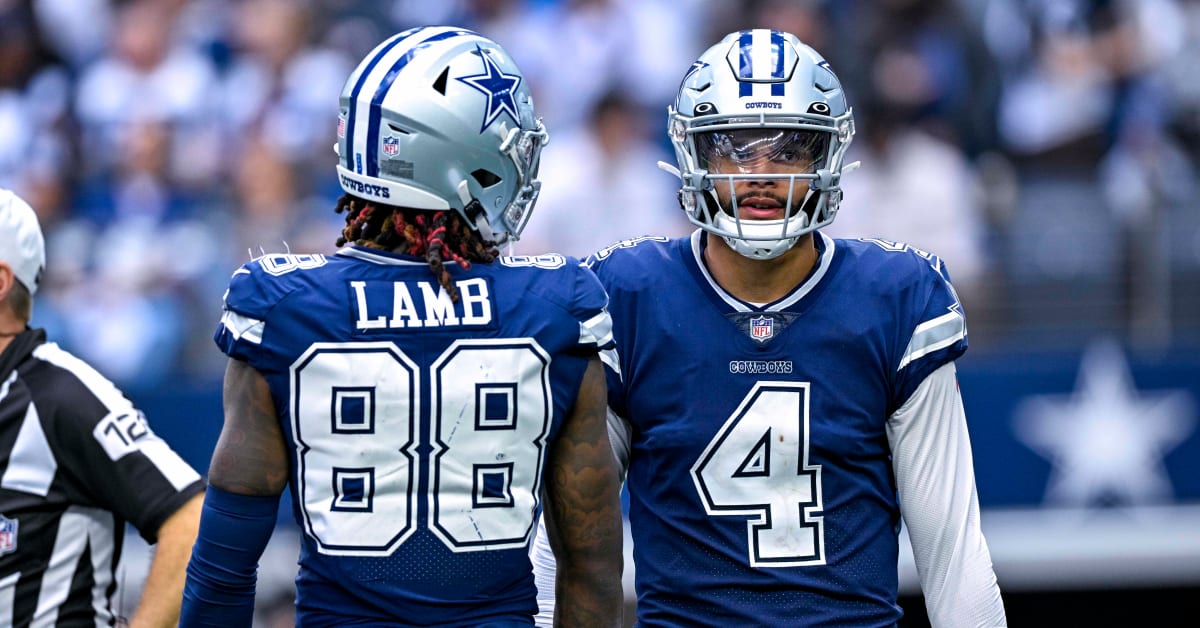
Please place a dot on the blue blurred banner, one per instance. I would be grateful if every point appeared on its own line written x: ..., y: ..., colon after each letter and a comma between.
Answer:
x: 1098, y: 430
x: 1088, y: 466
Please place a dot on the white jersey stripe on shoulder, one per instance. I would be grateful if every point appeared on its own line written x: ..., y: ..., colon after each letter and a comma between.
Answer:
x: 930, y: 336
x: 251, y: 329
x: 97, y: 384
x: 179, y: 473
x: 31, y: 463
x: 168, y: 462
x: 596, y: 330
x: 612, y: 360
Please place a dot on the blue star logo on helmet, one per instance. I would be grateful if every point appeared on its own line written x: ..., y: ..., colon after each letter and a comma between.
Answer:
x: 500, y: 89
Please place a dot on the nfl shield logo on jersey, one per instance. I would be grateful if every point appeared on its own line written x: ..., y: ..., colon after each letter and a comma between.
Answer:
x: 762, y: 328
x: 8, y: 535
x: 391, y: 146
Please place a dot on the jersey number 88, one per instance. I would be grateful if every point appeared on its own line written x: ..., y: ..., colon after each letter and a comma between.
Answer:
x: 356, y: 411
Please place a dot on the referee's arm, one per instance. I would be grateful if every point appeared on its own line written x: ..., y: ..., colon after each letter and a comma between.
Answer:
x: 163, y: 589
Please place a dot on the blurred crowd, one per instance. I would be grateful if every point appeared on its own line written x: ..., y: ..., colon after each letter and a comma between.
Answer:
x: 1047, y: 150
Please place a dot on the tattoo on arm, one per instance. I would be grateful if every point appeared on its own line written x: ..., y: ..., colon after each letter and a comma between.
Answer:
x: 250, y: 457
x: 584, y: 512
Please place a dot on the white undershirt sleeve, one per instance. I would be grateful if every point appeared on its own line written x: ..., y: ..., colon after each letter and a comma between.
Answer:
x: 544, y: 568
x: 542, y: 555
x: 935, y: 476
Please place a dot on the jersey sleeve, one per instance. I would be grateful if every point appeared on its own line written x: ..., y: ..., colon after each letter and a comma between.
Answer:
x: 936, y: 328
x: 118, y: 461
x: 590, y: 307
x: 609, y: 271
x: 252, y: 294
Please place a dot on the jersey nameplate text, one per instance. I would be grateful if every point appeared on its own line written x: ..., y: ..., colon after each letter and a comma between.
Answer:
x: 419, y: 304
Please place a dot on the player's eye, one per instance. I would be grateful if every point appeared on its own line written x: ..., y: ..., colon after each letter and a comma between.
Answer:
x: 790, y: 156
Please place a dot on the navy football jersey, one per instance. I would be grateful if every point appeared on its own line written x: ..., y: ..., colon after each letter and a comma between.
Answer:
x: 418, y: 427
x: 760, y: 480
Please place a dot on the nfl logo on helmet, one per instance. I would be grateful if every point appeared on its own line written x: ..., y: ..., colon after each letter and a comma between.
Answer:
x: 8, y: 535
x: 391, y: 146
x: 762, y: 328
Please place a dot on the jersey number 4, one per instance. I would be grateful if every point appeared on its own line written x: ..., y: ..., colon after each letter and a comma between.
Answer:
x: 355, y: 422
x: 757, y: 466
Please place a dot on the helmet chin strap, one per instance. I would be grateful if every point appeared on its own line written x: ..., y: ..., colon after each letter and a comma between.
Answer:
x: 760, y: 250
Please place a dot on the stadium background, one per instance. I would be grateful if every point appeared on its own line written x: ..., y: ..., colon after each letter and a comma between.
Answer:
x: 1046, y: 149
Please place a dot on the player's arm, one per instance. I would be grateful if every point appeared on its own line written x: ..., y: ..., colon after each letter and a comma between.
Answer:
x: 249, y: 470
x: 542, y: 556
x: 159, y: 605
x: 583, y: 512
x: 935, y: 476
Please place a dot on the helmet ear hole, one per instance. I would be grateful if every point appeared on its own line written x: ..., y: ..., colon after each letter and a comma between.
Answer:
x: 440, y: 84
x: 486, y: 178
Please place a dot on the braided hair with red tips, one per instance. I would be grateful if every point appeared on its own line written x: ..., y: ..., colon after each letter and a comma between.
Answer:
x: 436, y: 235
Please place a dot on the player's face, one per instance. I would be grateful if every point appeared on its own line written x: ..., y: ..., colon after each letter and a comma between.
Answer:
x: 775, y: 152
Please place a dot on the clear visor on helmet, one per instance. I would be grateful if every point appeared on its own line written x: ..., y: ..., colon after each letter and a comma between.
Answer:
x: 742, y: 149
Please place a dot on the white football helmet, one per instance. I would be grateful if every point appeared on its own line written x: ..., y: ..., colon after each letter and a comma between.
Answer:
x: 441, y: 118
x: 760, y: 95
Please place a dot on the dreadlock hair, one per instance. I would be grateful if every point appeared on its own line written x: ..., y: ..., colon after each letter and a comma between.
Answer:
x: 433, y: 234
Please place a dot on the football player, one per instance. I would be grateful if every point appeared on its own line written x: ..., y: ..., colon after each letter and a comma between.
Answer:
x: 783, y: 400
x: 417, y: 392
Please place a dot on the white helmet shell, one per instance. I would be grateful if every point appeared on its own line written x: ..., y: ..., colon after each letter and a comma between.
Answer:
x: 768, y: 80
x: 441, y: 118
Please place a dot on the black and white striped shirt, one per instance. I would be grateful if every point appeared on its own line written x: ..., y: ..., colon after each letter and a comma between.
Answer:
x: 77, y: 461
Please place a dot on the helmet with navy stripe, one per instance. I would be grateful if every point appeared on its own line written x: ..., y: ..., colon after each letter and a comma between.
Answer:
x: 440, y: 118
x: 761, y: 96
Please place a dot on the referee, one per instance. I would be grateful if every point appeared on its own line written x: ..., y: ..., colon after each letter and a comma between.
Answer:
x: 77, y: 461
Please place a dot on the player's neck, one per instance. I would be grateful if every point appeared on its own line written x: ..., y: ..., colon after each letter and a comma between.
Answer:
x: 10, y: 326
x: 8, y: 333
x: 759, y: 281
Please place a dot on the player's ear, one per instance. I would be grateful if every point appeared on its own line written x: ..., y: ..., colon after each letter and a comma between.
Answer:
x: 7, y: 280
